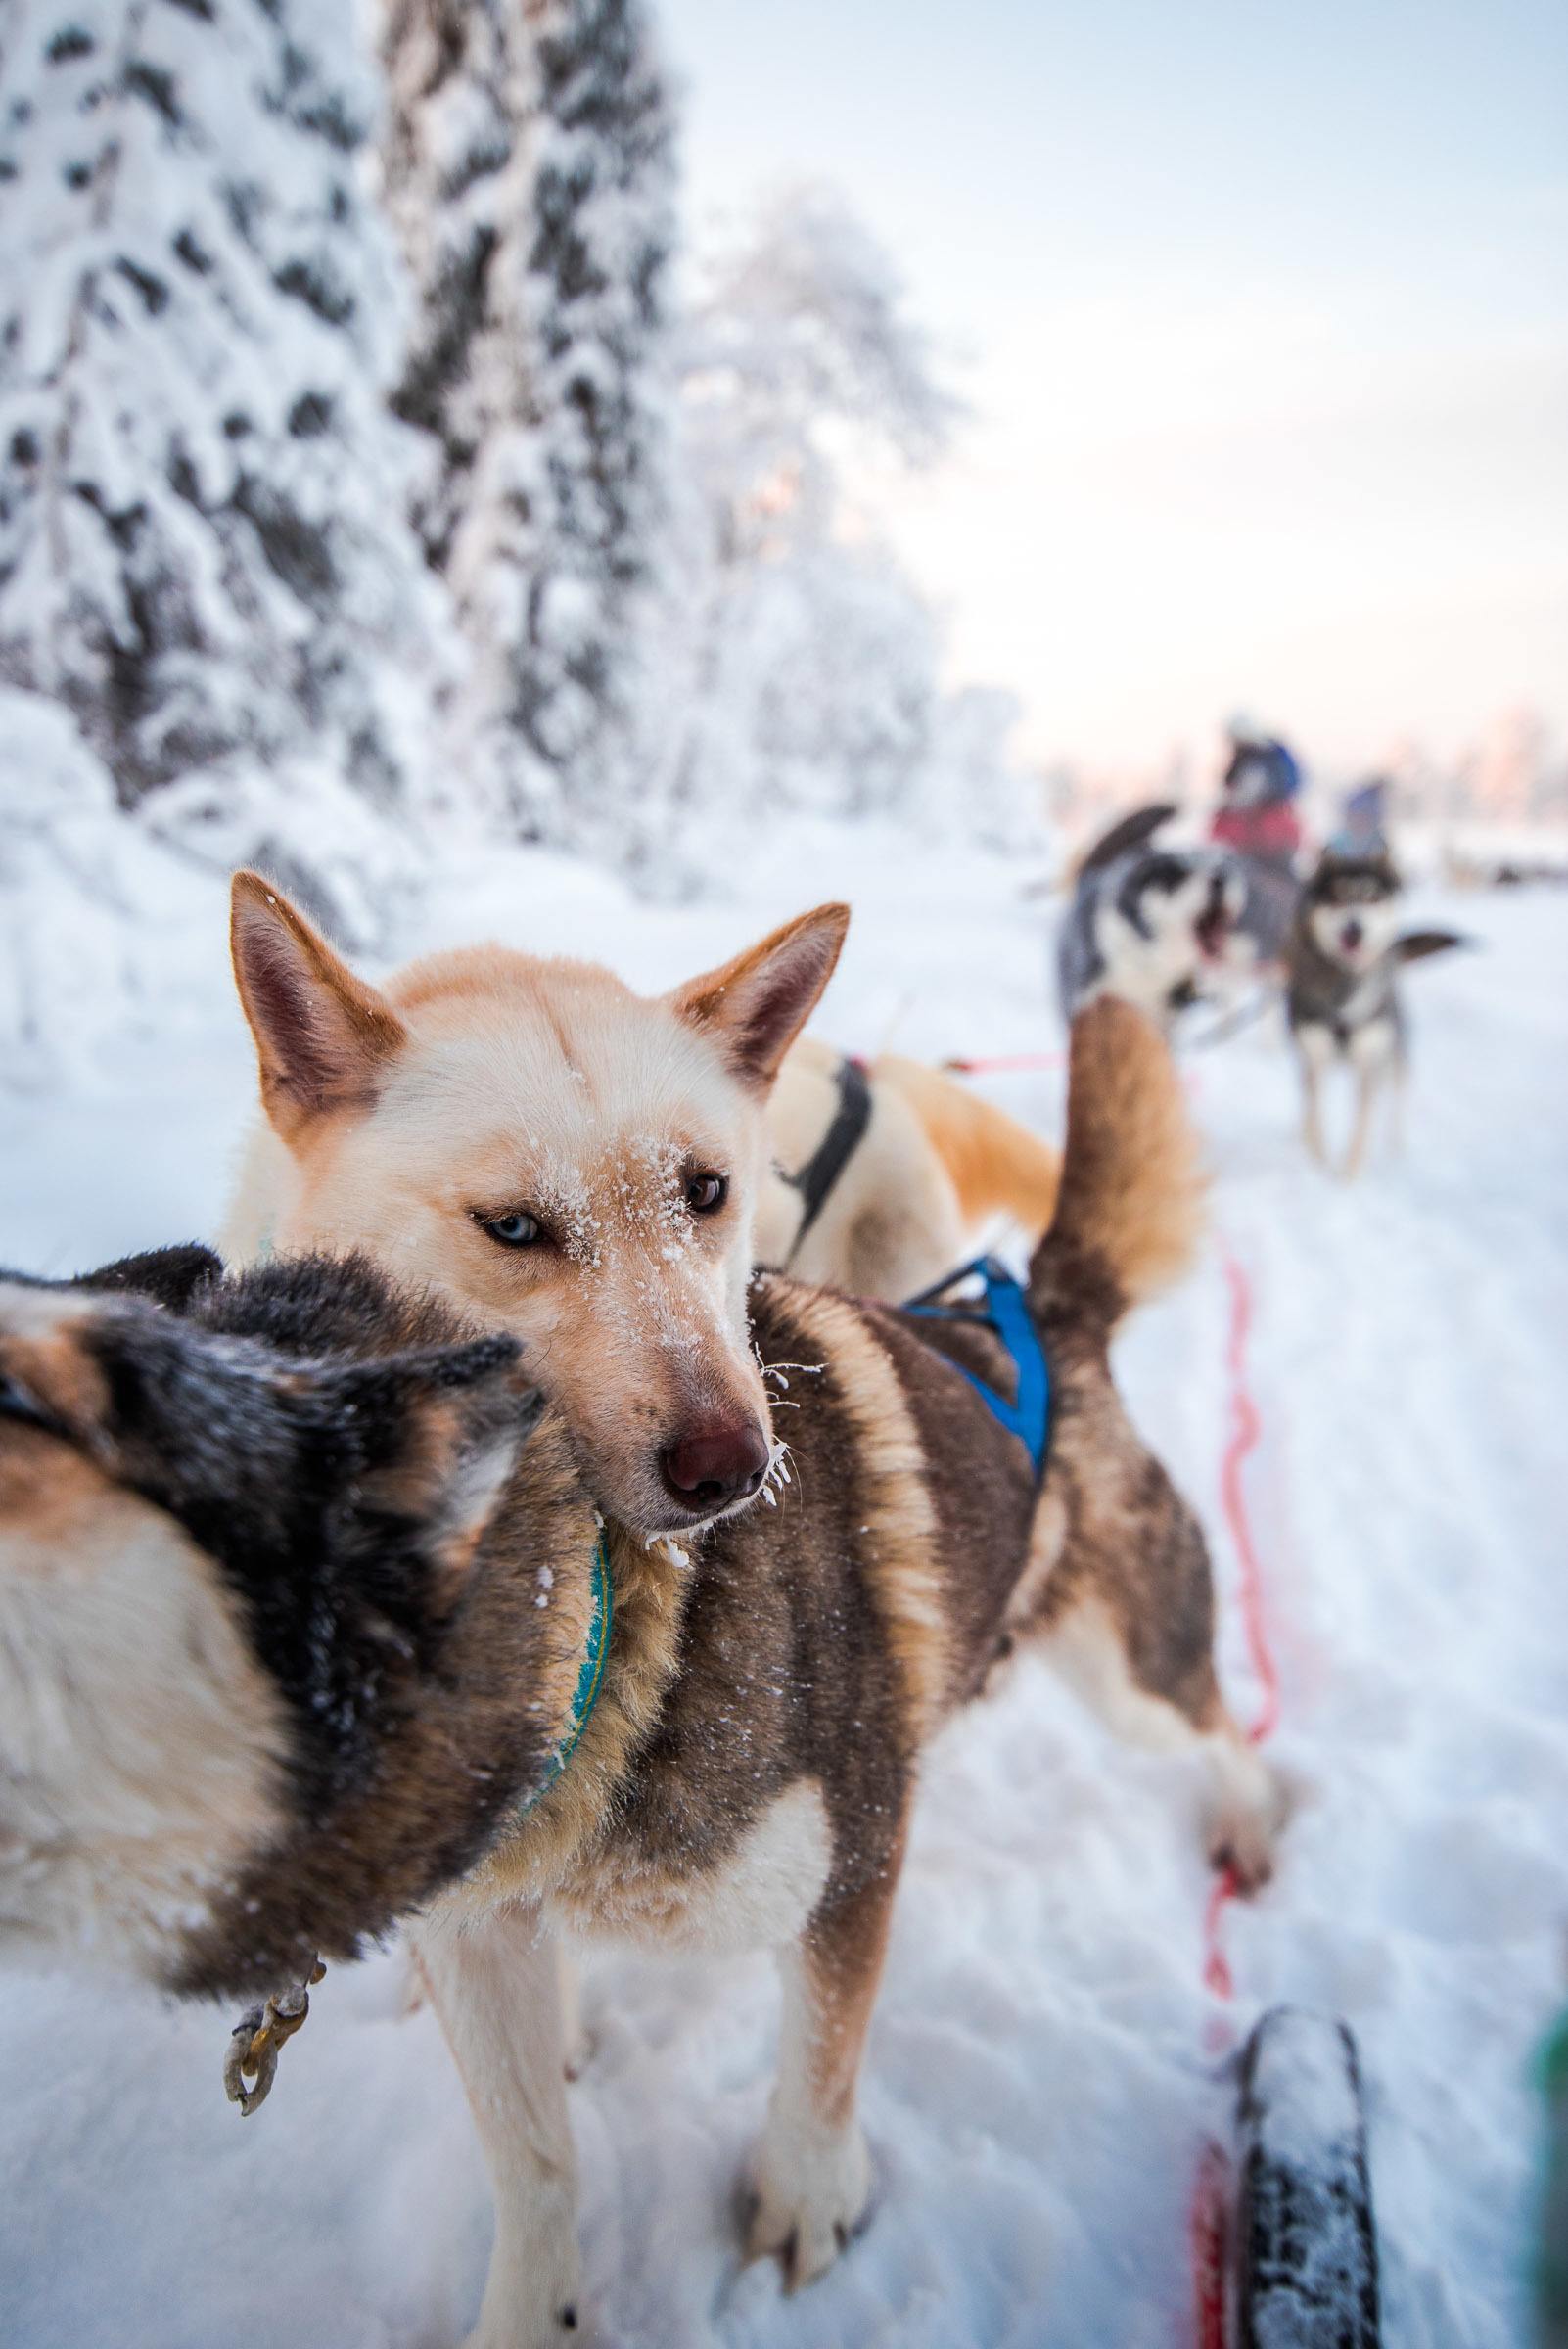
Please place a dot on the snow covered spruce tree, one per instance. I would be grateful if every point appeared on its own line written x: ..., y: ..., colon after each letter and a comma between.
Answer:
x: 204, y: 548
x: 461, y: 85
x: 529, y: 170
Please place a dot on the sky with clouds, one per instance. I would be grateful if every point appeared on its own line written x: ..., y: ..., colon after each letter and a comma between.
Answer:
x: 1263, y: 319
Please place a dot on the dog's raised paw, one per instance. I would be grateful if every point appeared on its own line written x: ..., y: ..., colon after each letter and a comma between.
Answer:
x: 580, y: 2054
x: 556, y: 2331
x: 1251, y: 1806
x: 1245, y: 1853
x: 808, y: 2201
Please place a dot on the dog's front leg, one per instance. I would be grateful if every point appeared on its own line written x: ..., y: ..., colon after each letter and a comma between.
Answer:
x: 494, y: 1982
x: 1310, y: 1051
x: 1397, y: 1090
x: 577, y: 2040
x: 813, y: 2174
x: 1373, y: 1053
x: 1366, y: 1089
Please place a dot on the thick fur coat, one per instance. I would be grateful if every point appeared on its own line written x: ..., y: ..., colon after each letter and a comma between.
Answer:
x: 379, y: 1560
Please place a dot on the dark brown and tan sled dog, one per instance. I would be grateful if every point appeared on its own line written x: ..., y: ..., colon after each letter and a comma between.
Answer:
x: 298, y: 1585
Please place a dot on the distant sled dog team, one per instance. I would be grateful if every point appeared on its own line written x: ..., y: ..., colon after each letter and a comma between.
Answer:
x: 426, y: 1571
x: 1168, y: 928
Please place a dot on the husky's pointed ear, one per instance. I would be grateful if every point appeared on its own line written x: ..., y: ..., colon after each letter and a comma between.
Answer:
x: 755, y: 1006
x: 322, y: 1036
x: 444, y: 1426
x: 47, y: 1378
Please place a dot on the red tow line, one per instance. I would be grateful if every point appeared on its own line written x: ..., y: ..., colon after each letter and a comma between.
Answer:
x: 1000, y: 1061
x: 1212, y: 2194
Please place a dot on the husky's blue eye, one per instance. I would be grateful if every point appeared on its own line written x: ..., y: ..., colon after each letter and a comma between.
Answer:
x: 519, y: 1230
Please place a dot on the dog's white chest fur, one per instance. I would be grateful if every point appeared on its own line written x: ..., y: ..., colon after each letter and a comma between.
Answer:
x: 757, y: 1897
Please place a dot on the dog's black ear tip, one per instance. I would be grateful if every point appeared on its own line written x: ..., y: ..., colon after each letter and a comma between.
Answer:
x: 477, y: 1360
x: 414, y: 1379
x: 1128, y: 832
x: 169, y: 1276
x: 527, y: 1412
x: 486, y: 1364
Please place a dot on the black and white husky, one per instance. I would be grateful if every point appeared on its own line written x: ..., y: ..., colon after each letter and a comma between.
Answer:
x: 1342, y: 997
x: 1153, y: 925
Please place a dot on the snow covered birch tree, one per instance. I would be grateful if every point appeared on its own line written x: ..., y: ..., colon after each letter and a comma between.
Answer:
x: 819, y: 658
x: 204, y: 547
x: 530, y: 170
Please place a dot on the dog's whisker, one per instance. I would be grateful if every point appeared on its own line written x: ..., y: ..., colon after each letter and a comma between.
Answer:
x: 777, y: 1473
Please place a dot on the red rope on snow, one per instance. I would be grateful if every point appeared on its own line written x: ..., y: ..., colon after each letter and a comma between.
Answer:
x: 1210, y: 2211
x: 1217, y: 1974
x: 1210, y: 2204
x: 1246, y: 1426
x: 1208, y: 2214
x: 1005, y: 1060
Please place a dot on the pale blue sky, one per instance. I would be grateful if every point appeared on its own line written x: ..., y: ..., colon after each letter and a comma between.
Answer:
x: 1266, y: 315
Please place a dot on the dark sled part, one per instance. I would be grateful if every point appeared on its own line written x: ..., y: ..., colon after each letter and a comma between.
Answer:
x: 1305, y: 2246
x: 1416, y: 944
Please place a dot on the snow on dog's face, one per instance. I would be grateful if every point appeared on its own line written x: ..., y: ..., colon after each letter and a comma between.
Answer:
x: 1352, y: 908
x: 225, y: 1577
x: 570, y: 1161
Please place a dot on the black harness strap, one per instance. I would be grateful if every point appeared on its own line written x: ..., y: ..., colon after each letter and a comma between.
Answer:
x: 834, y: 1151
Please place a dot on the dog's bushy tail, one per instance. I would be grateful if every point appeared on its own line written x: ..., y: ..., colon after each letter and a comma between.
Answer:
x: 1416, y: 944
x: 1130, y: 1211
x: 996, y: 1166
x: 1128, y: 833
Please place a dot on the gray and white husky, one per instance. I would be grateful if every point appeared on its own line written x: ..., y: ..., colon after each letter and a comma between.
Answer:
x: 1342, y: 997
x: 1153, y: 925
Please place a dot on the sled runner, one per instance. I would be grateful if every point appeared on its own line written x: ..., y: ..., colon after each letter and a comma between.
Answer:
x: 1305, y: 2246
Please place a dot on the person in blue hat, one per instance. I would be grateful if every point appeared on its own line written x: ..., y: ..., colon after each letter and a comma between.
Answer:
x: 1362, y: 821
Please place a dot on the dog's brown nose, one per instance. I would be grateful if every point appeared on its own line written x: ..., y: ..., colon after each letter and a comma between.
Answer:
x: 714, y: 1465
x: 1351, y: 936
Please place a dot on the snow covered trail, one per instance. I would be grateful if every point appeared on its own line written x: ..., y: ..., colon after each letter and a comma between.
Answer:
x: 1037, y: 2087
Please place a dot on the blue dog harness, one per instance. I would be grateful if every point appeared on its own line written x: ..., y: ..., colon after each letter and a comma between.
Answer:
x: 1004, y: 1310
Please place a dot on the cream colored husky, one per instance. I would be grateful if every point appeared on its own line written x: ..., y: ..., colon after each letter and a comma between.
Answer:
x: 934, y: 1175
x: 566, y: 1160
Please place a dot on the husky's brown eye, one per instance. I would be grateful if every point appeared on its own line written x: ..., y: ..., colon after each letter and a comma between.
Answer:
x: 519, y: 1230
x: 705, y: 1194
